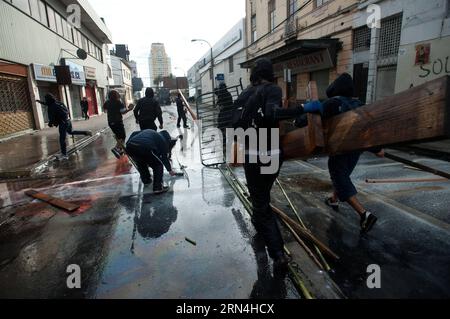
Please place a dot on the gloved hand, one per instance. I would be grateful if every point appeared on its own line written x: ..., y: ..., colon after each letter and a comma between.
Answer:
x: 313, y: 107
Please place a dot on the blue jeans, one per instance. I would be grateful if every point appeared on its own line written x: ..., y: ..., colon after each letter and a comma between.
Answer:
x: 64, y: 129
x: 341, y: 168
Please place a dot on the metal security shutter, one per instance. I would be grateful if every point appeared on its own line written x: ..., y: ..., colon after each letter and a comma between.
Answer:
x: 16, y: 113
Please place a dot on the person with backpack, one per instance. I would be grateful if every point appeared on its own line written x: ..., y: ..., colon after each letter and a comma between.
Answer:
x: 181, y: 112
x: 340, y: 100
x: 116, y: 110
x: 147, y: 111
x: 58, y: 116
x: 262, y: 109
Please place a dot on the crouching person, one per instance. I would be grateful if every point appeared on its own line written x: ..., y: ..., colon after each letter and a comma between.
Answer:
x: 151, y: 149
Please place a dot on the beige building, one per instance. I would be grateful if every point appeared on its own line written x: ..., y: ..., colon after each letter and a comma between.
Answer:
x: 159, y: 63
x: 306, y: 40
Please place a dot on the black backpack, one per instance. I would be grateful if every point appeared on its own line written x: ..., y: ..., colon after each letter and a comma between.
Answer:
x: 248, y: 108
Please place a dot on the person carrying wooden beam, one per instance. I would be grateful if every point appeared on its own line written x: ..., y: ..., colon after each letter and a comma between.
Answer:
x: 341, y: 167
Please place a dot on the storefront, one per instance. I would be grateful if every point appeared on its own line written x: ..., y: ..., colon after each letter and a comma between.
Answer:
x: 91, y: 90
x: 78, y: 82
x: 302, y: 61
x: 46, y: 83
x: 16, y: 112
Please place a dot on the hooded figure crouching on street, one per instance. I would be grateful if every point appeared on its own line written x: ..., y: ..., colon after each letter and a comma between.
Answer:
x: 58, y: 116
x: 341, y: 167
x: 152, y: 149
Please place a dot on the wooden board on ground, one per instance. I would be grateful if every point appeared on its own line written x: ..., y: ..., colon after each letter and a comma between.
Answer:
x: 53, y: 201
x: 419, y: 114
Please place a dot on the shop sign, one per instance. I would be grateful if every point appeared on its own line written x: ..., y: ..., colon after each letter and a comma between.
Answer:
x: 316, y: 61
x: 90, y: 73
x: 45, y: 73
x: 77, y: 73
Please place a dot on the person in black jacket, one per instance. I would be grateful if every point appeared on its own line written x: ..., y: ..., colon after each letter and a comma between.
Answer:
x: 266, y: 100
x: 341, y: 167
x: 85, y: 108
x: 147, y: 111
x: 116, y: 110
x: 149, y: 148
x: 181, y: 112
x: 58, y: 116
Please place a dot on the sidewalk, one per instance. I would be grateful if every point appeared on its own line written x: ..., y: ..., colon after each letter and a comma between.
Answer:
x: 19, y: 155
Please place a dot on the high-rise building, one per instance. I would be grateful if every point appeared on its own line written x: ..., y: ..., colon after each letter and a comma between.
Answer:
x: 159, y: 63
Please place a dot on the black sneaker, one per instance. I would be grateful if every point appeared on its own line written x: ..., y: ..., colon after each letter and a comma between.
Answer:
x: 281, y: 262
x: 367, y: 222
x: 163, y: 190
x: 334, y: 205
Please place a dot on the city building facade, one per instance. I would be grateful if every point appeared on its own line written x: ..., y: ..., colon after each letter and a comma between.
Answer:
x: 36, y: 36
x: 160, y: 64
x: 122, y: 78
x: 228, y: 53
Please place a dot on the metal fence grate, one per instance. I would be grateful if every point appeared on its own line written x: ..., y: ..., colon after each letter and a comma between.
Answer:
x: 16, y: 113
x: 391, y: 30
x: 361, y: 39
x: 213, y: 114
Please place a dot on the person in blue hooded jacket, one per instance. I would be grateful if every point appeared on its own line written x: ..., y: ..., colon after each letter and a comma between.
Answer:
x: 152, y: 149
x: 340, y: 99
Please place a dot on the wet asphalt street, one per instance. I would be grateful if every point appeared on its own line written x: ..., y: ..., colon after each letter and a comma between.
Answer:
x: 128, y: 242
x: 132, y: 244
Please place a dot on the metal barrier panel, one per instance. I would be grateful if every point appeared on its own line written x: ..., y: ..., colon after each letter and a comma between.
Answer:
x: 215, y: 111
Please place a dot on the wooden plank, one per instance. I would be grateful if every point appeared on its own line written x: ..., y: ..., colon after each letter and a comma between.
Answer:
x: 306, y: 141
x: 53, y: 201
x: 419, y: 114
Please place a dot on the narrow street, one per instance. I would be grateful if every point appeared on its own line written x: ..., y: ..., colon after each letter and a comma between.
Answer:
x: 132, y: 244
x: 128, y: 242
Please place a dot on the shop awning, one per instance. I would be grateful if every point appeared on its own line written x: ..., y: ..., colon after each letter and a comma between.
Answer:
x: 299, y: 48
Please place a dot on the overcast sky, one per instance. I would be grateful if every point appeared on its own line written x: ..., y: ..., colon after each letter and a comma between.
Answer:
x: 139, y: 23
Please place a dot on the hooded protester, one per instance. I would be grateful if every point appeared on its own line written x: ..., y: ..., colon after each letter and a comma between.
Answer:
x: 181, y: 112
x: 149, y: 148
x: 147, y: 111
x: 263, y: 110
x: 115, y: 110
x: 58, y: 116
x: 225, y: 103
x: 341, y: 167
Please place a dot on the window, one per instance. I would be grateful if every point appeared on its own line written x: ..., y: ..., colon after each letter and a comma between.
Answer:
x: 43, y: 13
x: 51, y: 18
x: 231, y: 64
x: 448, y: 8
x: 321, y: 2
x: 361, y: 39
x: 253, y: 28
x: 59, y: 27
x: 22, y: 5
x: 70, y: 36
x: 390, y: 34
x: 271, y: 15
x: 292, y: 7
x: 34, y: 8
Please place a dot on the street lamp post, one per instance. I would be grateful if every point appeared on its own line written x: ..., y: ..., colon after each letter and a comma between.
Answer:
x: 212, y: 68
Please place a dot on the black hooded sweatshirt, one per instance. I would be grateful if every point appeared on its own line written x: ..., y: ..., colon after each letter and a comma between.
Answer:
x: 148, y: 109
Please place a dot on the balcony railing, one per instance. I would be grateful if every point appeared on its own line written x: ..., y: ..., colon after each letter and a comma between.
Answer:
x: 291, y: 30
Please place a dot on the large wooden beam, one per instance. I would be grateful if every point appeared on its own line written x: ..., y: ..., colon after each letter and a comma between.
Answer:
x: 419, y: 114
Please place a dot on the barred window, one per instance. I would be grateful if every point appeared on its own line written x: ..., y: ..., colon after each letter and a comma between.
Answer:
x: 391, y: 30
x: 361, y: 39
